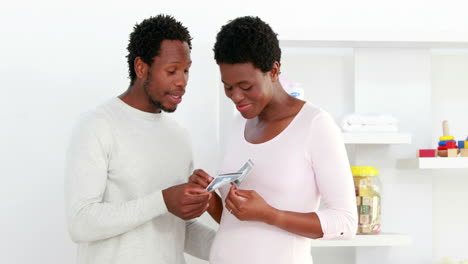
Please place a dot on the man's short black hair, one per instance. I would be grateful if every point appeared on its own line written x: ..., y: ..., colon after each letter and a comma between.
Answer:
x: 145, y: 40
x: 247, y: 39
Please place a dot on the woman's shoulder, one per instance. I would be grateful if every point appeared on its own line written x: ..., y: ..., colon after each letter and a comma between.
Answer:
x: 313, y: 112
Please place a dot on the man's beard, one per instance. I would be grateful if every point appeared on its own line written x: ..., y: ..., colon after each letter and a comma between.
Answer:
x: 156, y: 103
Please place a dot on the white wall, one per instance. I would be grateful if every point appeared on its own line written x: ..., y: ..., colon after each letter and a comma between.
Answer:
x: 60, y: 58
x: 450, y: 98
x: 322, y: 72
x: 397, y: 82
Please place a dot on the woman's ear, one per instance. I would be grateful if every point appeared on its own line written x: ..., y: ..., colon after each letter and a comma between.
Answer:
x: 141, y: 68
x: 275, y: 72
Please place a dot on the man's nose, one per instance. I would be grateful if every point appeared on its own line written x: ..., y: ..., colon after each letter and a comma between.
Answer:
x: 181, y: 80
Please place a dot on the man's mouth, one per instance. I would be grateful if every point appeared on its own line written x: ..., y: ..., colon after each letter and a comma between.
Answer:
x: 175, y: 99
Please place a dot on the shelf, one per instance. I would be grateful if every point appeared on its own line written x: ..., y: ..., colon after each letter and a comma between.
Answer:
x: 376, y: 138
x: 381, y: 240
x: 372, y: 44
x: 434, y: 163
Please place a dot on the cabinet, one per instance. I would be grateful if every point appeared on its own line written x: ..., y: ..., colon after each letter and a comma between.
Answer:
x: 421, y: 83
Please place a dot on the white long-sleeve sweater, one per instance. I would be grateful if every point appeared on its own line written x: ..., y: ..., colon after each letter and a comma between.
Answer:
x: 119, y: 161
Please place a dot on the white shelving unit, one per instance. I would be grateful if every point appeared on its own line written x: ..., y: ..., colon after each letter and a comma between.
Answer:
x: 367, y: 84
x: 380, y: 240
x: 384, y: 239
x: 376, y: 138
x: 434, y: 163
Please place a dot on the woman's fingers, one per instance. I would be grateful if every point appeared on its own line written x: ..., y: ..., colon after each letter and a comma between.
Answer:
x: 244, y: 193
x: 231, y: 207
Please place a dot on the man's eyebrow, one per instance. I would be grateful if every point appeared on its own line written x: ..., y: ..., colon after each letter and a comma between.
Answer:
x: 190, y: 62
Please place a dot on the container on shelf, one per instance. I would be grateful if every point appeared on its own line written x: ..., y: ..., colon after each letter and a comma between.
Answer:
x: 368, y: 198
x: 294, y: 89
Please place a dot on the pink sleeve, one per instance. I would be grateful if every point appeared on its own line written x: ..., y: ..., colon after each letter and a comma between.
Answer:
x: 338, y: 215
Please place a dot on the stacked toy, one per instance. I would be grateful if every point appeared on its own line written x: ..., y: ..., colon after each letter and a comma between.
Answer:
x: 447, y: 144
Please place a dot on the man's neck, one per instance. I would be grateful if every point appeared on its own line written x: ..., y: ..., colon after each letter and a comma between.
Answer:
x: 136, y: 97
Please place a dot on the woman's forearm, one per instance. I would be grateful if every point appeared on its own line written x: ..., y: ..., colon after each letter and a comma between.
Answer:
x: 304, y: 224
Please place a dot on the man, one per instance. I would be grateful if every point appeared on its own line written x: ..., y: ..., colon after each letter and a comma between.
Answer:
x: 128, y: 161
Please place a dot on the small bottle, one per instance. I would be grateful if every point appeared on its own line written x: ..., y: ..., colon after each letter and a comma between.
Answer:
x: 368, y: 196
x: 295, y: 90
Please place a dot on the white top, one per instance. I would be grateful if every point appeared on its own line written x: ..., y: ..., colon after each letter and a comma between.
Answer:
x: 293, y: 171
x: 119, y: 160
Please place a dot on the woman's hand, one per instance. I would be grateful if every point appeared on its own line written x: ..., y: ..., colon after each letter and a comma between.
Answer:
x: 248, y: 206
x: 201, y: 178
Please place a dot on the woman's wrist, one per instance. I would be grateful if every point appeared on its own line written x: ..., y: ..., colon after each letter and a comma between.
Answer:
x: 273, y: 216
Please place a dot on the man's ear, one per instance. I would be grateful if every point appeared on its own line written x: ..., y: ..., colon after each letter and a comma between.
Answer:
x: 275, y: 72
x: 141, y: 68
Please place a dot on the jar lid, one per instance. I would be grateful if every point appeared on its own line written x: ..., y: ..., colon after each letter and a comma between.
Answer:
x: 364, y: 171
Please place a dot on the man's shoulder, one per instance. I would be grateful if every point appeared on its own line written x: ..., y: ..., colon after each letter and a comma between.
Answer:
x: 97, y: 118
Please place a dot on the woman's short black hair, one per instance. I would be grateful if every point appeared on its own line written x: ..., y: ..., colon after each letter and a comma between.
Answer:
x: 145, y: 40
x: 247, y: 39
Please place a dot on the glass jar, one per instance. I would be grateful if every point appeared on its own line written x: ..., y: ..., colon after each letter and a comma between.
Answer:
x: 368, y: 196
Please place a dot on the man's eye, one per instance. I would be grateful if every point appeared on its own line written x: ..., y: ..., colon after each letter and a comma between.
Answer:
x: 246, y: 88
x: 228, y: 88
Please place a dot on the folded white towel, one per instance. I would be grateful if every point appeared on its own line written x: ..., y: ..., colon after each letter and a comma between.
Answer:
x: 370, y: 119
x: 370, y: 123
x: 370, y: 129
